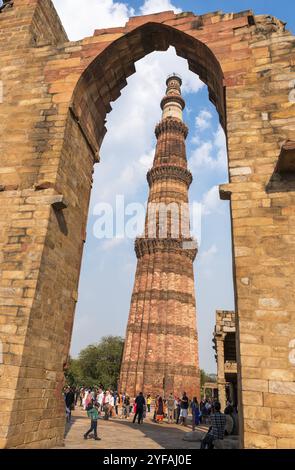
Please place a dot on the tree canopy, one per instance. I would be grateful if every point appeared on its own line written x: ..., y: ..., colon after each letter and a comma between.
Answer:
x: 97, y: 364
x: 205, y: 377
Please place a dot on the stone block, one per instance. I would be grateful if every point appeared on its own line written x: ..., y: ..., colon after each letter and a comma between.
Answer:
x: 253, y: 440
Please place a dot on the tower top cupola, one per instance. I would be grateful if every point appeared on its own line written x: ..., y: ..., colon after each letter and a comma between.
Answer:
x: 173, y: 104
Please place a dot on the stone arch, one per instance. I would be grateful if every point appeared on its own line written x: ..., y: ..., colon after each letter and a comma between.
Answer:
x: 49, y: 148
x: 91, y: 100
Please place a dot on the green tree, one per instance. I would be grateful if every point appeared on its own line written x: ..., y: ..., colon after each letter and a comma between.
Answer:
x: 205, y: 377
x: 98, y: 363
x: 73, y: 374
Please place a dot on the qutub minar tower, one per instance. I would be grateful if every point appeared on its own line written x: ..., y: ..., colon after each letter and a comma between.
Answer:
x: 161, y: 348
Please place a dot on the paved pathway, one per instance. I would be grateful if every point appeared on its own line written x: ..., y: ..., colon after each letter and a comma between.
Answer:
x: 122, y: 434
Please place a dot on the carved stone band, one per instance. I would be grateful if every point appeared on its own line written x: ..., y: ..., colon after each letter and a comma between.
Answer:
x: 162, y: 328
x: 161, y: 367
x: 175, y: 98
x: 171, y: 125
x: 187, y: 247
x: 165, y: 295
x: 169, y: 172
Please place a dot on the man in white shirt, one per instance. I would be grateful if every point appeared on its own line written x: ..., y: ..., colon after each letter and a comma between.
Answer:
x: 99, y: 399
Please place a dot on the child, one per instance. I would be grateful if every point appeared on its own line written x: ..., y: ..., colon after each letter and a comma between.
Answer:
x: 148, y: 403
x: 92, y: 413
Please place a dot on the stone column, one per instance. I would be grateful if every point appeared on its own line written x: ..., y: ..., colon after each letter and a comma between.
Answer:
x: 220, y: 372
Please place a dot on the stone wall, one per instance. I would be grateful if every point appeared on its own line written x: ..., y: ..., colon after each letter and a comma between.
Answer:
x: 56, y: 97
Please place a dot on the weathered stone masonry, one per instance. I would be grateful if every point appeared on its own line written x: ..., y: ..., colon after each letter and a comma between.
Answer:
x: 56, y: 95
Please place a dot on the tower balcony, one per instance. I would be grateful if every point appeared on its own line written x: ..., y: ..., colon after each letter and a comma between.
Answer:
x: 185, y: 246
x: 171, y: 124
x: 165, y: 172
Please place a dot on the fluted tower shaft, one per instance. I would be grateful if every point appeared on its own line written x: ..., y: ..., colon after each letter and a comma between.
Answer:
x: 161, y: 347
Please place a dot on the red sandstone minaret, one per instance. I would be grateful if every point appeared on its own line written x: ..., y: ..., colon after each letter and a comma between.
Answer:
x: 161, y: 348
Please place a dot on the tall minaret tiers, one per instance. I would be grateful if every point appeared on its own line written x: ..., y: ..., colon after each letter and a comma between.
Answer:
x: 161, y: 348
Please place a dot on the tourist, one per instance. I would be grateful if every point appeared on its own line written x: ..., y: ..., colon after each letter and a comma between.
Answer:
x: 111, y: 404
x: 69, y: 401
x: 116, y: 402
x: 184, y: 409
x: 92, y: 413
x: 217, y: 428
x: 202, y: 412
x: 159, y: 410
x: 178, y: 409
x: 208, y: 407
x: 235, y: 418
x: 81, y: 394
x: 134, y: 406
x: 165, y: 408
x: 170, y: 408
x: 139, y: 403
x: 148, y: 403
x: 107, y: 404
x: 85, y: 397
x: 155, y: 408
x: 122, y: 401
x: 229, y: 426
x: 126, y: 407
x: 77, y: 395
x: 99, y: 399
x: 195, y: 413
x: 88, y: 398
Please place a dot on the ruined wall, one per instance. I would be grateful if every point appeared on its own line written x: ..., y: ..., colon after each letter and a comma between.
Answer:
x: 225, y: 323
x: 52, y: 118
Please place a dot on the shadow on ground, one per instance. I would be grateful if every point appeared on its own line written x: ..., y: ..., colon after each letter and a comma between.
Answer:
x: 74, y: 421
x: 122, y: 434
x: 163, y: 434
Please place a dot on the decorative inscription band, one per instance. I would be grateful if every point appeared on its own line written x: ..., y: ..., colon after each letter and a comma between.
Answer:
x: 187, y: 247
x: 169, y: 172
x: 171, y: 125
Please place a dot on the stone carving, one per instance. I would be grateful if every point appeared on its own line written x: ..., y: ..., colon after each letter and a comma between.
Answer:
x: 169, y: 172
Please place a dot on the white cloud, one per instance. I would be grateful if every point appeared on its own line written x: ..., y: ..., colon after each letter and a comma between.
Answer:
x: 211, y: 202
x: 108, y: 245
x: 206, y: 259
x: 146, y: 160
x: 210, y: 154
x: 157, y: 6
x: 80, y: 19
x: 208, y: 255
x: 203, y: 120
x: 202, y: 156
x: 128, y: 150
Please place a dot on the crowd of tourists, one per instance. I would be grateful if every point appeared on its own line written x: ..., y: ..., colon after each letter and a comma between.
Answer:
x: 105, y: 404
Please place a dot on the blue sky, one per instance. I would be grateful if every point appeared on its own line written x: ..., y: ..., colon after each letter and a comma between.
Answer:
x: 108, y: 266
